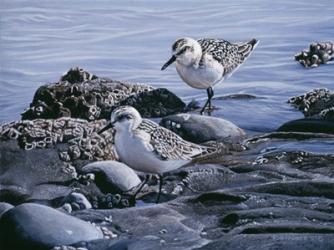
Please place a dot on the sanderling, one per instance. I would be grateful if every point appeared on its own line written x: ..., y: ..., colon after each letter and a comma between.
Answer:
x: 147, y: 147
x: 207, y: 62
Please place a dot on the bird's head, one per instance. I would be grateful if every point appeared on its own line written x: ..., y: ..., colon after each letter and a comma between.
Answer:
x: 185, y: 51
x: 123, y: 118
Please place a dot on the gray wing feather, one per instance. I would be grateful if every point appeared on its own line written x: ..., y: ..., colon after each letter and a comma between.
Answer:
x: 168, y: 145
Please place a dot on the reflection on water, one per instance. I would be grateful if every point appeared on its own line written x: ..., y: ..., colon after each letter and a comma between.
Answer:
x: 130, y: 40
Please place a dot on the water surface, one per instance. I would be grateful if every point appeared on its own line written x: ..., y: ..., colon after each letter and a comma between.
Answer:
x: 130, y: 40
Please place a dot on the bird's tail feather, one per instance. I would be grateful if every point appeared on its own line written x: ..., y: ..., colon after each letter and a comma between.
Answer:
x: 246, y: 48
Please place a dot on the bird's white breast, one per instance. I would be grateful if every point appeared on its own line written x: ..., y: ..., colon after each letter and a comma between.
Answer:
x: 135, y: 151
x: 207, y: 75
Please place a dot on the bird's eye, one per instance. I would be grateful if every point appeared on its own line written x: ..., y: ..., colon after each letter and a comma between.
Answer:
x: 182, y: 50
x: 124, y: 117
x: 121, y: 117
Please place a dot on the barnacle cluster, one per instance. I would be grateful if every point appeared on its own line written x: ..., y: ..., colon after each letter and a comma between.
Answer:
x: 79, y: 94
x: 318, y: 53
x: 81, y: 137
x: 318, y: 102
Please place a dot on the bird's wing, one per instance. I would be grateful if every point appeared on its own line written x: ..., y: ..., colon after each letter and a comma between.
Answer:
x: 168, y: 145
x: 229, y: 55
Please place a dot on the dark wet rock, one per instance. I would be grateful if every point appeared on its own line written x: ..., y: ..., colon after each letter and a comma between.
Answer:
x: 206, y: 177
x: 37, y: 175
x: 80, y: 94
x: 272, y: 241
x: 318, y: 103
x: 296, y: 188
x: 236, y: 97
x: 4, y: 207
x: 155, y: 103
x: 318, y: 108
x: 308, y: 125
x: 77, y: 74
x: 245, y: 216
x: 32, y: 226
x: 199, y: 129
x: 91, y: 99
x: 163, y: 224
x: 318, y: 53
x: 286, y: 135
x: 146, y: 242
x: 21, y: 171
x: 112, y: 176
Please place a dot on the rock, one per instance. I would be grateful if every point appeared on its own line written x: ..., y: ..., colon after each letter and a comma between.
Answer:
x: 257, y: 197
x: 113, y: 176
x: 145, y: 223
x: 318, y: 108
x: 4, y: 207
x: 199, y: 129
x: 79, y: 138
x: 318, y: 103
x: 155, y: 103
x: 318, y: 53
x: 80, y: 94
x: 77, y: 74
x: 146, y: 242
x: 236, y: 97
x: 21, y: 171
x: 308, y: 125
x: 77, y: 201
x: 32, y: 226
x: 272, y: 241
x: 38, y: 175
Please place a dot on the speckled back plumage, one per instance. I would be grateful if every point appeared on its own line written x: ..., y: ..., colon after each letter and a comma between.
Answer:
x: 169, y: 146
x: 231, y: 56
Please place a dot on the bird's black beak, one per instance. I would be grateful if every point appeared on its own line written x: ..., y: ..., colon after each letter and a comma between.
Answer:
x: 108, y: 126
x: 169, y: 62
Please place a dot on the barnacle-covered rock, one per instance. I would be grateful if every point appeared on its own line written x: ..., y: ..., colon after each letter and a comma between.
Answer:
x: 155, y: 103
x: 77, y: 74
x: 318, y: 108
x: 80, y: 94
x: 318, y: 102
x: 318, y: 53
x: 80, y: 137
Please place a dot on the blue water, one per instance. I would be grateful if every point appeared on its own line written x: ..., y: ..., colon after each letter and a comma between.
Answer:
x: 130, y: 40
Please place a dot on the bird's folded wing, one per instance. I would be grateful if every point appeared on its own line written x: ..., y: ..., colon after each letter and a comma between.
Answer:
x: 226, y: 53
x: 168, y: 145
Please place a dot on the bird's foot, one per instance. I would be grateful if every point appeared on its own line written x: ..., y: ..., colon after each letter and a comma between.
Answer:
x: 209, y: 110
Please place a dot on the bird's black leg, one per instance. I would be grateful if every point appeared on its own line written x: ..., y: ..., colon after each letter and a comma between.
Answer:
x: 210, y: 95
x: 208, y: 102
x: 160, y: 186
x: 141, y: 186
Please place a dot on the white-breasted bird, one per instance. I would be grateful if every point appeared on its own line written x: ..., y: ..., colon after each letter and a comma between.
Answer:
x: 206, y: 62
x: 147, y: 147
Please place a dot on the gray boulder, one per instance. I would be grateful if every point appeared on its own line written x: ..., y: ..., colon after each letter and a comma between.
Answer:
x: 4, y: 207
x: 112, y: 176
x: 33, y: 226
x: 199, y: 129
